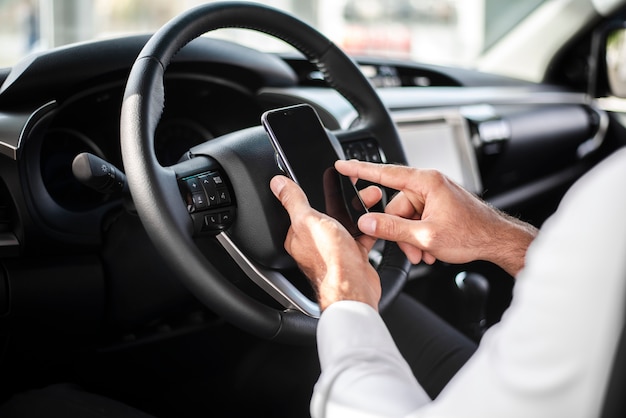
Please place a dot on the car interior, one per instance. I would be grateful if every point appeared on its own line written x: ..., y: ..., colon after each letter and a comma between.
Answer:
x: 142, y: 250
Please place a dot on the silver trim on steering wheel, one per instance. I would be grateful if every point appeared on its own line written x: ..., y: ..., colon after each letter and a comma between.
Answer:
x: 272, y: 282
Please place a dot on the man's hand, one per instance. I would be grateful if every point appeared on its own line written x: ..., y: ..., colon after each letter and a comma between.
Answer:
x: 335, y: 262
x: 433, y: 218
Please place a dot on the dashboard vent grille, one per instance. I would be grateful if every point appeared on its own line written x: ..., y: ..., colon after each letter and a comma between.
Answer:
x: 9, y: 244
x: 7, y: 211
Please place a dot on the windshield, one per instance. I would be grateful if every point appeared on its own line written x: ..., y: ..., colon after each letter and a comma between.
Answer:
x: 431, y: 31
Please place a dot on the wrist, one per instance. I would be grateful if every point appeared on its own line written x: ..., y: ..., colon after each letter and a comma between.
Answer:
x: 359, y: 285
x: 511, y: 243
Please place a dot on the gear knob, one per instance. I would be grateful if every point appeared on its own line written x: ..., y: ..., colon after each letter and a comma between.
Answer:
x: 474, y: 290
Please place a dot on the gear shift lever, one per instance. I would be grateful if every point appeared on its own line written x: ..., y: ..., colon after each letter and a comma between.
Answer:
x: 474, y: 290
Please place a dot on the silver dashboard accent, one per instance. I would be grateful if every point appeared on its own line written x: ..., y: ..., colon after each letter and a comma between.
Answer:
x: 15, y: 127
x: 272, y: 282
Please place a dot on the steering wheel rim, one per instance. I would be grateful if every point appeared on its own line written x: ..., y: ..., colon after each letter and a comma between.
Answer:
x: 154, y: 188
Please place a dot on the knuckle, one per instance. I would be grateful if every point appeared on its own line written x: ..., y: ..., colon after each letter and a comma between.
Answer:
x: 426, y: 237
x: 435, y: 178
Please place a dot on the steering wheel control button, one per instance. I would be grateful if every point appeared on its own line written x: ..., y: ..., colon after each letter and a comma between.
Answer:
x: 372, y: 152
x: 225, y: 217
x: 210, y: 190
x: 215, y: 189
x: 194, y: 185
x: 209, y: 201
x: 354, y: 151
x: 217, y: 221
x: 217, y: 179
x: 212, y: 220
x: 224, y: 196
x: 363, y: 150
x: 199, y: 201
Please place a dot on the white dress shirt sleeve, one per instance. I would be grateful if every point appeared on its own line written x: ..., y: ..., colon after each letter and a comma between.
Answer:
x: 550, y: 355
x: 364, y: 374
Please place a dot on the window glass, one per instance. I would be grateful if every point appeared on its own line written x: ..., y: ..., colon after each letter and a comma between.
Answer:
x: 432, y: 31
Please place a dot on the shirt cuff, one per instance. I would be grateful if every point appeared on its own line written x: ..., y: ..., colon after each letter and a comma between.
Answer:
x: 363, y: 372
x: 348, y: 325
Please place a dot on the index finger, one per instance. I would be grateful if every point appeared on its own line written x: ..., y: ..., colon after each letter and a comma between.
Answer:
x: 388, y: 175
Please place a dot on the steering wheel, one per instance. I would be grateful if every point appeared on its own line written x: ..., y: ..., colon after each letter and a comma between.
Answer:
x: 221, y: 190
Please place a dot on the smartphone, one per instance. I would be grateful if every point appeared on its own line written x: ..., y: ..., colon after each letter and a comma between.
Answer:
x: 305, y: 154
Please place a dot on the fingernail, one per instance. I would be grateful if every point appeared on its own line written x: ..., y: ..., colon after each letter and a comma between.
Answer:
x: 277, y: 184
x: 367, y: 224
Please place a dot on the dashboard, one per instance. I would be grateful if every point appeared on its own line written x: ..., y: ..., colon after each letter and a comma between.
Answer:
x: 510, y: 141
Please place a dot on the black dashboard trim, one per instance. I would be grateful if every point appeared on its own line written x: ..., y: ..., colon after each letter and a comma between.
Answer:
x: 53, y: 73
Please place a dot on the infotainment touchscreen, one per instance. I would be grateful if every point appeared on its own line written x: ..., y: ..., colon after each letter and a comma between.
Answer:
x: 440, y: 141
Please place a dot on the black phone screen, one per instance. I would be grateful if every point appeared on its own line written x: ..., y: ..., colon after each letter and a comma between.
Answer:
x: 308, y: 157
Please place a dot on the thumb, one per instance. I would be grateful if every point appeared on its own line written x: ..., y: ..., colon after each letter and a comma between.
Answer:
x: 410, y: 234
x: 289, y: 193
x: 394, y: 228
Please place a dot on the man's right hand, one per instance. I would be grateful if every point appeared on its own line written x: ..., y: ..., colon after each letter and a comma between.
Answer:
x: 433, y: 218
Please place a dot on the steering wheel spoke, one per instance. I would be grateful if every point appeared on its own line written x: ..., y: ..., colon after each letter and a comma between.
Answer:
x: 271, y: 281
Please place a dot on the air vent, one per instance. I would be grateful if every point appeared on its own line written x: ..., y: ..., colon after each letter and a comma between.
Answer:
x: 9, y: 245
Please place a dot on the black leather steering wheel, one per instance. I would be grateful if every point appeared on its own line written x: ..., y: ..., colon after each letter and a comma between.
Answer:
x: 235, y: 169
